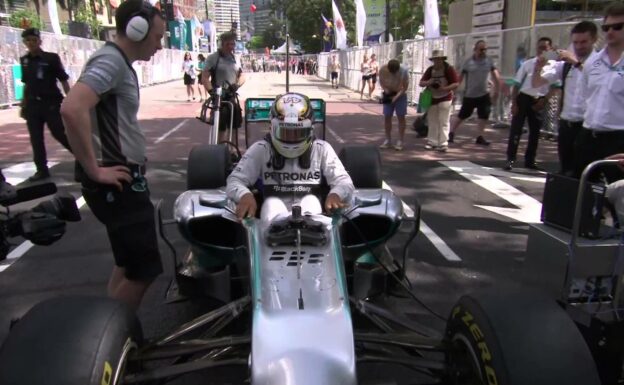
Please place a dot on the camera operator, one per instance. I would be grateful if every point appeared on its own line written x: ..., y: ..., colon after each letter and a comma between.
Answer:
x: 222, y: 68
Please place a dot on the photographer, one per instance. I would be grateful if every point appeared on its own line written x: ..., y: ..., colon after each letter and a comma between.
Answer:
x: 223, y: 69
x: 394, y: 80
x: 441, y: 78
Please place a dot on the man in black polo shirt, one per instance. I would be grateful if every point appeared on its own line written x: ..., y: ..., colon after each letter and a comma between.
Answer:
x: 42, y: 98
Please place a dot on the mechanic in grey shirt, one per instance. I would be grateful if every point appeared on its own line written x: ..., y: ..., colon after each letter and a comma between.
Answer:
x: 475, y: 72
x: 100, y: 114
x: 223, y: 70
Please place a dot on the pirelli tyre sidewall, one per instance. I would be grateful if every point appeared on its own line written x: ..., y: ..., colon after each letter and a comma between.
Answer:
x: 467, y: 331
x: 516, y: 338
x: 70, y: 341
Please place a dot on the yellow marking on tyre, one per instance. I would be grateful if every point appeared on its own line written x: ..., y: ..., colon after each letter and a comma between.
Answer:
x: 107, y: 376
x: 486, y: 355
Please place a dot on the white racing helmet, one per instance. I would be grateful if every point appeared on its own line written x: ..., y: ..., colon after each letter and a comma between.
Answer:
x: 291, y: 124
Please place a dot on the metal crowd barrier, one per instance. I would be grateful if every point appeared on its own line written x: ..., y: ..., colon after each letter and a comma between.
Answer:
x: 508, y: 48
x: 74, y: 53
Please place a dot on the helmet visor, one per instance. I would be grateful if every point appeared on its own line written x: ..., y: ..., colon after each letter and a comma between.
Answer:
x: 292, y: 132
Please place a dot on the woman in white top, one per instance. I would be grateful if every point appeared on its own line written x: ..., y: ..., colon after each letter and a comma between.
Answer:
x: 365, y: 69
x: 372, y: 75
x: 188, y: 67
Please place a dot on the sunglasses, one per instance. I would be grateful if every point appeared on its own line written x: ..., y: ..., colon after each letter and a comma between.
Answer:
x: 616, y: 27
x: 483, y: 49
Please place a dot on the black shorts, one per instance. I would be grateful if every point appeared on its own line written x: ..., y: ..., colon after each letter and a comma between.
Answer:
x: 199, y: 76
x: 225, y: 115
x: 374, y: 78
x: 482, y: 104
x: 188, y: 80
x: 129, y: 219
x: 334, y: 75
x: 365, y: 77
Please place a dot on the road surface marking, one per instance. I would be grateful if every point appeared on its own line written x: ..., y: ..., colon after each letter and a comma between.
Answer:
x: 434, y: 238
x: 528, y: 208
x: 174, y: 129
x: 331, y: 131
x: 18, y: 173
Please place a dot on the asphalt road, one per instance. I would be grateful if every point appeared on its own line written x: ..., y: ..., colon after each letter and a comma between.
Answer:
x: 465, y: 243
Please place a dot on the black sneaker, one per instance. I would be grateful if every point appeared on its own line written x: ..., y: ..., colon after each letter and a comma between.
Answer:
x: 508, y: 165
x: 39, y: 175
x: 533, y: 166
x: 451, y: 138
x: 481, y: 141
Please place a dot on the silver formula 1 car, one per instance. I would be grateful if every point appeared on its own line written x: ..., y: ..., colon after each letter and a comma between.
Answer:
x: 300, y: 307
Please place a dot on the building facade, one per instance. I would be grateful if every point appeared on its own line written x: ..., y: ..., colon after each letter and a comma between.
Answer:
x: 227, y: 16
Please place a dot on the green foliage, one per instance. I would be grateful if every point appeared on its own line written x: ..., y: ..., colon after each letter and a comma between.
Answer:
x: 256, y: 42
x: 305, y: 22
x: 25, y: 18
x: 274, y: 35
x: 64, y: 28
x: 84, y: 14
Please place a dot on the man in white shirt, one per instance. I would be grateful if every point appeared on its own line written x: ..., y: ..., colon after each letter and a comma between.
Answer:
x: 602, y: 86
x: 528, y: 102
x: 568, y: 71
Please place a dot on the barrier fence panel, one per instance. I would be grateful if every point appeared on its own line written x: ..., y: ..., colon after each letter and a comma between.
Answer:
x: 509, y: 48
x: 165, y: 65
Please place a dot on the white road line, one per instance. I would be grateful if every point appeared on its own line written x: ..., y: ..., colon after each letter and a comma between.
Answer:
x: 539, y: 177
x: 338, y: 138
x: 27, y: 245
x: 19, y: 172
x: 437, y: 242
x: 174, y: 129
x: 528, y: 208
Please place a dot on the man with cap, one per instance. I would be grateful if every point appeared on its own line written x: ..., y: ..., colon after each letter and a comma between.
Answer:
x: 42, y: 99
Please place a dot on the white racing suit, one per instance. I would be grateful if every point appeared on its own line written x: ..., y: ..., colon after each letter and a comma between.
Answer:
x: 292, y: 183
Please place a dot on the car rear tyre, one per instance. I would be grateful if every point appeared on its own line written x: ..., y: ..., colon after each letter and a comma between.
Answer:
x: 363, y: 163
x: 208, y: 167
x: 70, y: 341
x: 516, y: 338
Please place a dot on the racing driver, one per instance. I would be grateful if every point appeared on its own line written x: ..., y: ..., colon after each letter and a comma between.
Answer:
x: 290, y: 166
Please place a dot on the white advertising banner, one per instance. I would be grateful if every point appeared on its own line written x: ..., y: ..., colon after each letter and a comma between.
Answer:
x: 375, y: 20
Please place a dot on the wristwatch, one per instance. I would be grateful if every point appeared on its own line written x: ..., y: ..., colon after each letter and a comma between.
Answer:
x: 578, y: 65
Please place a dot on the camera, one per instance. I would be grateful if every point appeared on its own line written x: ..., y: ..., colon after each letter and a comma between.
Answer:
x: 44, y: 224
x: 435, y: 85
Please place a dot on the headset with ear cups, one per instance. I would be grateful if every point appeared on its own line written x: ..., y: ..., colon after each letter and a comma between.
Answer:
x: 139, y: 24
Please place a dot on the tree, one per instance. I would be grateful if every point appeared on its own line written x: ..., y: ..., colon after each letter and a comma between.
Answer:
x: 274, y: 34
x: 305, y: 23
x: 66, y: 5
x: 25, y: 18
x: 256, y: 42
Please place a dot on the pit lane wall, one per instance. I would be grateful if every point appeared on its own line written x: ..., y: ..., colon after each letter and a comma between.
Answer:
x: 74, y: 52
x: 507, y: 47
